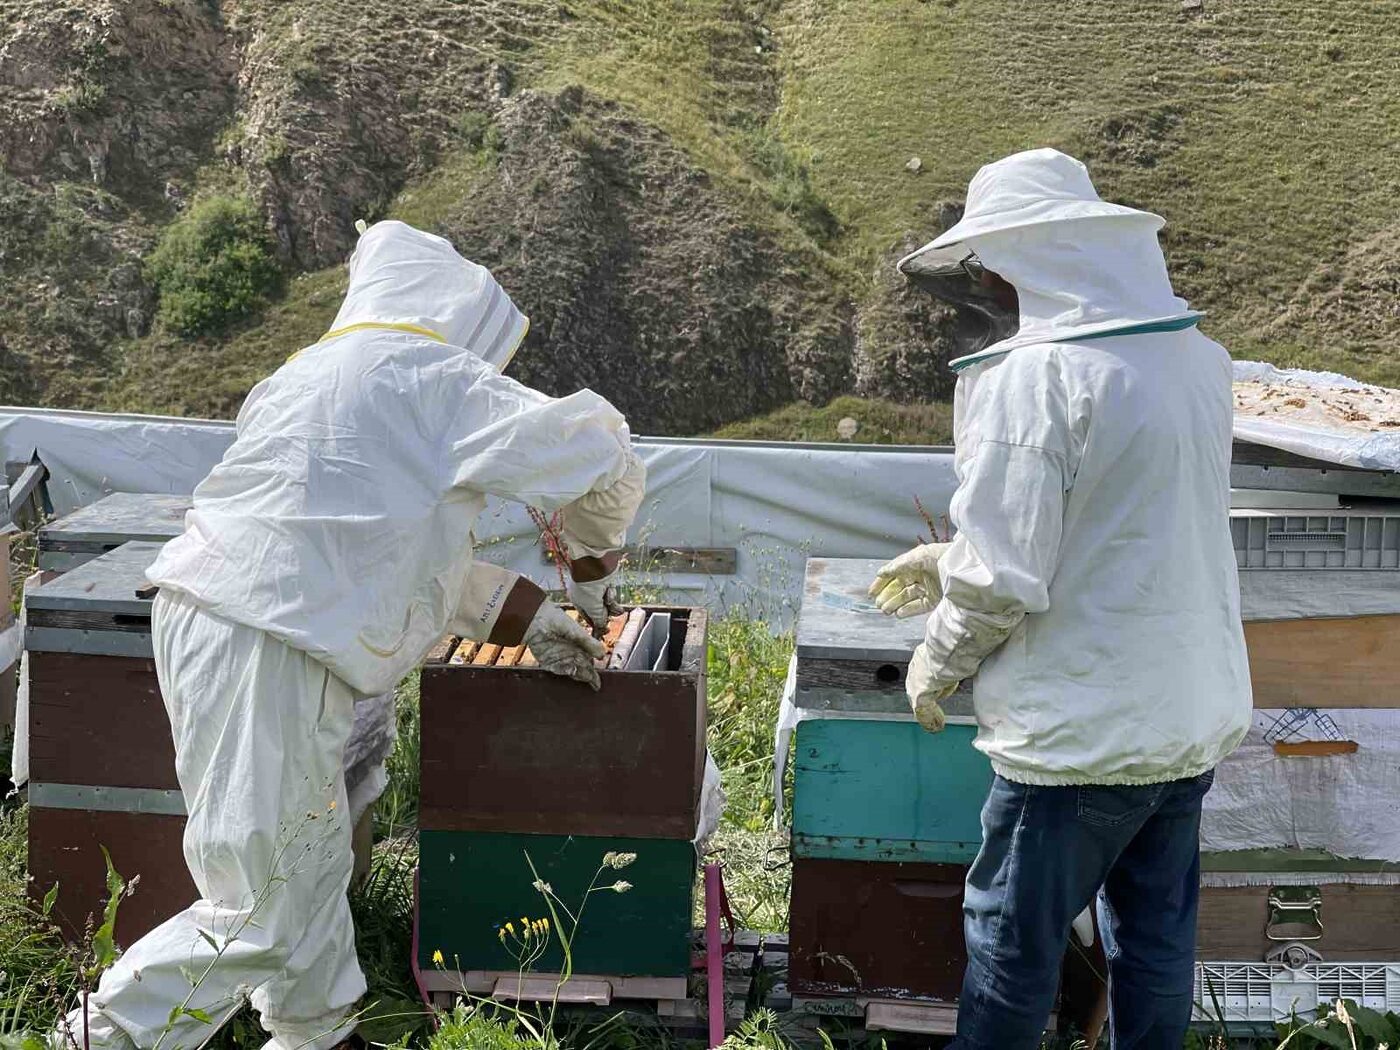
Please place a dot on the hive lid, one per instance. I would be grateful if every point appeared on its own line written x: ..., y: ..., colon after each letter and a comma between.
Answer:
x: 838, y: 621
x: 106, y: 584
x: 119, y: 517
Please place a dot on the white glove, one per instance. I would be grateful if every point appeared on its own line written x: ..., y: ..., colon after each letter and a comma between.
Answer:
x: 909, y: 585
x: 597, y: 600
x: 925, y: 691
x: 562, y: 647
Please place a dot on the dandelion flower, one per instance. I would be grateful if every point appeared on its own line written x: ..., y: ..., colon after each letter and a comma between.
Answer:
x: 437, y: 957
x: 620, y: 886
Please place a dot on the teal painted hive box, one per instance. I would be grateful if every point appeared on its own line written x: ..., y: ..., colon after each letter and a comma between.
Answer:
x: 519, y: 768
x: 868, y: 782
x: 870, y: 790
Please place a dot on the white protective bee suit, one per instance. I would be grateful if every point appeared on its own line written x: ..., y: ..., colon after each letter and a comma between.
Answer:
x: 1092, y: 584
x: 322, y: 559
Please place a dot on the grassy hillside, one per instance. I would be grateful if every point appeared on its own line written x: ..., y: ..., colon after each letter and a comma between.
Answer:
x: 766, y: 142
x: 1263, y: 132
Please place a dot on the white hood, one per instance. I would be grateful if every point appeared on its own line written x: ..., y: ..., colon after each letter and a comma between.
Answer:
x: 1081, y: 278
x: 402, y: 278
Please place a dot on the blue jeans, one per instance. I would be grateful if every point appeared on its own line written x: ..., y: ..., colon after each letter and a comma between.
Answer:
x: 1046, y: 852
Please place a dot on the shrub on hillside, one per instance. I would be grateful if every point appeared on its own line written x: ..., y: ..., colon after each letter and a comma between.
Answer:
x: 213, y: 265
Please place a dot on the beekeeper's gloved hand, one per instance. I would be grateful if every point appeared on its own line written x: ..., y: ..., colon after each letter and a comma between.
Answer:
x: 909, y: 585
x: 562, y: 647
x: 926, y: 691
x: 597, y: 600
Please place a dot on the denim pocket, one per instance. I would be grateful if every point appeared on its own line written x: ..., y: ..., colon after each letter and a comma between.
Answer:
x: 1111, y: 806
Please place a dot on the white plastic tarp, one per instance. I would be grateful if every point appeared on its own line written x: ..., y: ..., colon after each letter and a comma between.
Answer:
x: 774, y: 503
x: 1344, y: 804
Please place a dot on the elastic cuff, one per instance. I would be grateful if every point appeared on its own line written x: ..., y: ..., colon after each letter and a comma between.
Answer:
x: 518, y: 609
x: 590, y: 570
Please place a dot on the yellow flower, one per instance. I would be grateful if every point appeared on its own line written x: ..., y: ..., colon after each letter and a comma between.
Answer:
x: 501, y: 933
x: 545, y: 924
x: 437, y: 957
x: 510, y: 928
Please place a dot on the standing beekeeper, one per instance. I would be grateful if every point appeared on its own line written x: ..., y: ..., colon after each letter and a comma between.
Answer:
x: 1092, y: 589
x: 323, y: 557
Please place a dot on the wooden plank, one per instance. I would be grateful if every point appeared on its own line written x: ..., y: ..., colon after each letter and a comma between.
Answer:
x: 709, y: 561
x: 486, y: 655
x: 510, y: 657
x: 1314, y: 748
x: 485, y: 982
x: 466, y: 653
x: 1345, y: 662
x: 885, y: 1015
x: 1360, y: 923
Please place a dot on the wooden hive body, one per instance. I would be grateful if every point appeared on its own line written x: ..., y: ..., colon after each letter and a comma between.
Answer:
x: 520, y: 763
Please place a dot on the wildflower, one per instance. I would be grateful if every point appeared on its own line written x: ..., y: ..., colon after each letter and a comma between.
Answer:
x: 620, y: 886
x: 542, y: 887
x: 437, y: 957
x: 510, y: 928
x: 501, y: 933
x: 618, y: 861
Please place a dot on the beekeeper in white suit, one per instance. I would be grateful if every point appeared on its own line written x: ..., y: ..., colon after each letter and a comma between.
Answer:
x: 1092, y: 589
x: 323, y: 557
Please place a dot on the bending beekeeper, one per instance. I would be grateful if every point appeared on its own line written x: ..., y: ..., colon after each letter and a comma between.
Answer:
x: 322, y: 559
x: 1092, y: 589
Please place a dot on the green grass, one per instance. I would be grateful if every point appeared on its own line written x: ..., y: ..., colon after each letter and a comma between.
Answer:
x: 878, y: 423
x: 164, y: 374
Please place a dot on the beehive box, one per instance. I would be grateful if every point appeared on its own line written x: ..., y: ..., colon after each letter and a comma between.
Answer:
x: 102, y: 764
x: 521, y: 767
x: 9, y: 646
x: 876, y: 928
x: 863, y: 769
x: 106, y: 524
x: 101, y: 758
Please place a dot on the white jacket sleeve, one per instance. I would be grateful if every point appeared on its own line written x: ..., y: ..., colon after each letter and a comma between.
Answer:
x: 1009, y: 512
x: 595, y: 525
x: 510, y: 441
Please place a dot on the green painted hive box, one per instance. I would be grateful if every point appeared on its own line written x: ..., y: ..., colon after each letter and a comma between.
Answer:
x: 473, y: 883
x: 868, y: 782
x: 529, y: 776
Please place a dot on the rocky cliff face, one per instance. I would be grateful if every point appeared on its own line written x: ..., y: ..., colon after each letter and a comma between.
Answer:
x: 683, y: 296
